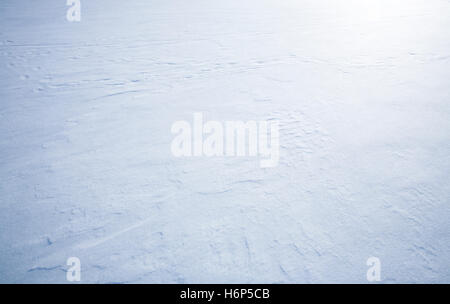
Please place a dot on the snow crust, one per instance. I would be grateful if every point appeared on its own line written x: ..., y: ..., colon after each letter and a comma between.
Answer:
x: 361, y: 92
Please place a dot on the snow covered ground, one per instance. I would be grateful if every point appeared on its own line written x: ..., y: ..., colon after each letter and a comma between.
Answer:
x: 361, y: 90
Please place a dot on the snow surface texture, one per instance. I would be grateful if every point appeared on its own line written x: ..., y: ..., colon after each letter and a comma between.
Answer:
x: 361, y: 91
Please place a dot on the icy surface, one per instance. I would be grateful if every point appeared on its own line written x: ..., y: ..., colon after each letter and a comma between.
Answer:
x: 362, y: 93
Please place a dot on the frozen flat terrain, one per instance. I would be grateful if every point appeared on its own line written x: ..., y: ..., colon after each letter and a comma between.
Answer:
x: 361, y: 90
